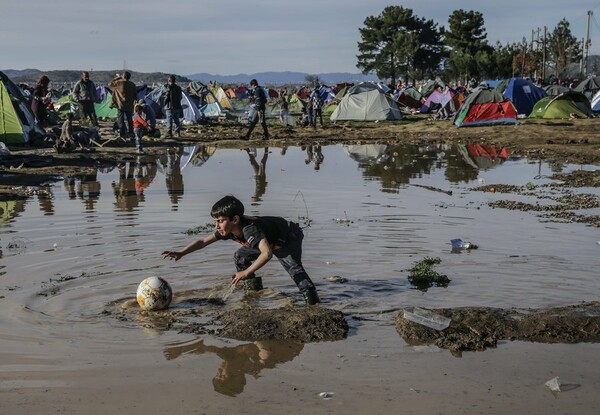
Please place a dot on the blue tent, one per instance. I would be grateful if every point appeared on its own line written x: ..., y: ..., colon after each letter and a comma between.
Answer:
x: 522, y: 93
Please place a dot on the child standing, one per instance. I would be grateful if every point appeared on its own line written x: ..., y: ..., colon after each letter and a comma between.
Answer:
x: 261, y: 237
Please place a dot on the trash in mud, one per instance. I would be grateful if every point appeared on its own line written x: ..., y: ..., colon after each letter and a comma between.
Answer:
x: 18, y: 244
x: 423, y: 276
x: 426, y: 318
x: 460, y: 245
x: 326, y: 395
x: 554, y: 385
x: 337, y: 279
x: 344, y: 220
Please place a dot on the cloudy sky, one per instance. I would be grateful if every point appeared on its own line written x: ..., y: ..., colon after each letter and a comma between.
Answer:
x: 229, y: 37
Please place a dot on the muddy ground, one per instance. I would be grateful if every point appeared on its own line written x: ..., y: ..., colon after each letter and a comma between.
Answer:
x: 477, y: 328
x: 556, y: 141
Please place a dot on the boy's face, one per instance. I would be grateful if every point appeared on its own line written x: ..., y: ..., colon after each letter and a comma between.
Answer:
x: 225, y: 226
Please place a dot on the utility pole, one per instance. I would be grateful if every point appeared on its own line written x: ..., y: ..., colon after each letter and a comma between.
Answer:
x: 544, y: 55
x: 587, y: 44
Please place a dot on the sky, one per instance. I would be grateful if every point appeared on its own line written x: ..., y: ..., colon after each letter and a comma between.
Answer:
x: 230, y: 37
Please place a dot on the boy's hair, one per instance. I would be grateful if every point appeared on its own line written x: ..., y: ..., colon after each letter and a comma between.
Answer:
x: 229, y: 206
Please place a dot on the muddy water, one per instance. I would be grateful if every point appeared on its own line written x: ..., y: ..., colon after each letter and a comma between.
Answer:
x: 74, y: 256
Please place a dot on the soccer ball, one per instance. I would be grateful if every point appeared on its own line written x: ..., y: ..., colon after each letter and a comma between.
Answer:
x: 154, y: 293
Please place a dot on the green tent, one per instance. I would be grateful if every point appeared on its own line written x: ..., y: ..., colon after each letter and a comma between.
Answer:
x: 11, y: 130
x: 103, y: 109
x: 562, y: 106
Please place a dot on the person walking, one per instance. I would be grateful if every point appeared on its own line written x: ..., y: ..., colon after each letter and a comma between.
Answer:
x: 85, y: 94
x: 173, y: 108
x: 123, y: 98
x: 260, y: 102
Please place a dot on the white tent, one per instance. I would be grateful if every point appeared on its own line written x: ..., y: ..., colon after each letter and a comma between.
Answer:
x: 365, y: 102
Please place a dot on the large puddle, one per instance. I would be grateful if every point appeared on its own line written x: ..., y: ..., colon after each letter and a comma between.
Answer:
x: 371, y: 211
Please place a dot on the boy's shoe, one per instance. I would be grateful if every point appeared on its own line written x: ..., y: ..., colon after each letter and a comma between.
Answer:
x: 311, y: 296
x: 140, y: 151
x: 253, y: 284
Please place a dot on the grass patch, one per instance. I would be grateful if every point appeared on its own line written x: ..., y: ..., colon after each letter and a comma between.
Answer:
x: 423, y: 276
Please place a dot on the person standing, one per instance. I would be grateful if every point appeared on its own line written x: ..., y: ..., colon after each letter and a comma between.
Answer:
x: 85, y: 95
x: 260, y: 101
x: 40, y: 101
x: 173, y: 108
x: 317, y: 104
x: 124, y: 97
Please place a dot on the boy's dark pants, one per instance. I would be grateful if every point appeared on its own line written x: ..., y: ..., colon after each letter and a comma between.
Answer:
x: 290, y: 257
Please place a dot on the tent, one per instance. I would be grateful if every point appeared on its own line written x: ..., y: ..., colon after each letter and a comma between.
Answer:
x: 485, y: 106
x: 191, y: 113
x: 222, y: 97
x: 522, y: 93
x: 17, y: 122
x: 596, y: 102
x: 438, y: 100
x: 555, y: 90
x: 563, y: 106
x: 103, y: 109
x: 365, y: 102
x: 589, y: 86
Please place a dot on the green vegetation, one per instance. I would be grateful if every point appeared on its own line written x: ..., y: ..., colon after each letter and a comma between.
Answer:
x: 423, y: 276
x: 397, y: 44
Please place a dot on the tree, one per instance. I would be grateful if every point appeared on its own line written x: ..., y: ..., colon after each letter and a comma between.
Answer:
x: 312, y: 79
x: 563, y: 48
x: 470, y: 54
x: 502, y: 60
x: 397, y: 42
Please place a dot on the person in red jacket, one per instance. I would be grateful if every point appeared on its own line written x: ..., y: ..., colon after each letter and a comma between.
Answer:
x: 140, y: 127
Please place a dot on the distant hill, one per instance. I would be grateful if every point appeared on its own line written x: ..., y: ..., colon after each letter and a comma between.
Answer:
x: 282, y: 78
x: 99, y: 77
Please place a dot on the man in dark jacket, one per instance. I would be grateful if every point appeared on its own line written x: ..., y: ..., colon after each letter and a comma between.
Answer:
x: 173, y: 108
x: 260, y: 102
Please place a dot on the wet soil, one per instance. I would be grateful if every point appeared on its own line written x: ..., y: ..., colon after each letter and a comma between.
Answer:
x: 478, y: 328
x: 556, y: 141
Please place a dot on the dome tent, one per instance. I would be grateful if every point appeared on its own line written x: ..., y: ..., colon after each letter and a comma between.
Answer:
x: 365, y: 102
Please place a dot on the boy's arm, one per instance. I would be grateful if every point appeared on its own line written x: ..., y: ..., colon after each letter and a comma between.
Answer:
x: 194, y: 246
x: 265, y: 256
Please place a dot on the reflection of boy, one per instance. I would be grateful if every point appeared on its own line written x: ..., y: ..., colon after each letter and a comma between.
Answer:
x: 261, y: 237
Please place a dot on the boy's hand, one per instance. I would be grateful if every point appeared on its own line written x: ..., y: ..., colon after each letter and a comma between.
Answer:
x: 172, y: 254
x: 239, y: 276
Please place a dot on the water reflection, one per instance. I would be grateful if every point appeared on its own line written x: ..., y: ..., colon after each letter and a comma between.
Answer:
x: 171, y: 163
x: 260, y: 173
x: 314, y: 154
x: 134, y: 178
x: 85, y: 187
x: 396, y: 165
x: 239, y: 361
x: 10, y: 209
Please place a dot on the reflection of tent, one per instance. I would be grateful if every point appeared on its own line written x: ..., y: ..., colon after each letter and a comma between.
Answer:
x: 485, y: 106
x: 522, y: 93
x: 365, y: 152
x: 16, y: 119
x: 365, y: 102
x: 481, y: 156
x: 562, y: 106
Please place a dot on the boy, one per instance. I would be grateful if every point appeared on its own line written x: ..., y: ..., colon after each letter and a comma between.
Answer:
x: 140, y: 127
x: 261, y: 237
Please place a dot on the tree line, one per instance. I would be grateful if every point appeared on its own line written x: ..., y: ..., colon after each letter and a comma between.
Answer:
x: 397, y: 44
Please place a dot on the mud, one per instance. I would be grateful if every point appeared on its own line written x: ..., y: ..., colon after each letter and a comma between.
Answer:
x: 556, y: 202
x: 207, y: 315
x: 478, y: 328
